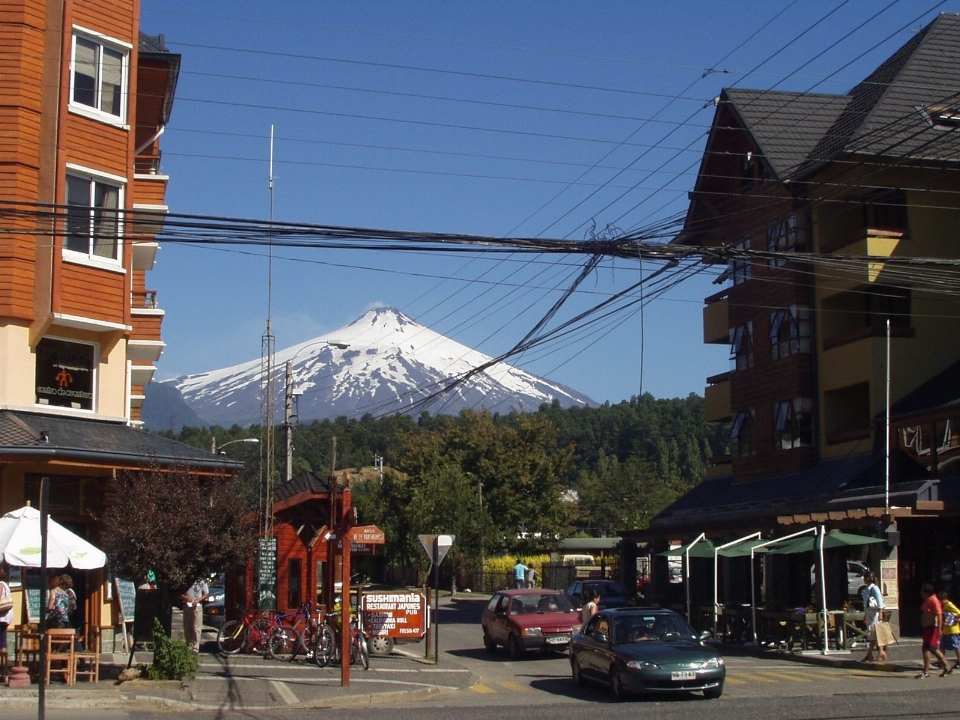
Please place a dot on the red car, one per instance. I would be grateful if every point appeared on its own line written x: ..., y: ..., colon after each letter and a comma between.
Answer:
x: 524, y: 619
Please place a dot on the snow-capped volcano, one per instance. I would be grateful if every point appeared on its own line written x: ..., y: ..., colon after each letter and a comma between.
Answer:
x: 382, y: 363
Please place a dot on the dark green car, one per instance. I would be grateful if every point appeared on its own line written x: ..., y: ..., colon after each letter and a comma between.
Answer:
x: 644, y: 650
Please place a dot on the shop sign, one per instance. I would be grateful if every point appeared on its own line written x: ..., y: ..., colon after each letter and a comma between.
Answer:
x: 65, y: 374
x: 394, y: 614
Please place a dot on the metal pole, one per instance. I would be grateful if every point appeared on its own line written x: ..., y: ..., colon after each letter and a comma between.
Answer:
x: 436, y: 595
x: 821, y: 531
x: 44, y: 515
x: 287, y: 416
x: 886, y: 474
x: 483, y: 561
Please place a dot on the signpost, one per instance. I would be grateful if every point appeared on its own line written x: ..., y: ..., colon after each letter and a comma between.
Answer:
x: 436, y: 547
x: 267, y: 573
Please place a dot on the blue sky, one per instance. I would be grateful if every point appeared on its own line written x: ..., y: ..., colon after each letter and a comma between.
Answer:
x: 539, y: 119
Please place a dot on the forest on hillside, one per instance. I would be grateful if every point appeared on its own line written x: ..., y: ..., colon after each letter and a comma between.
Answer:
x: 503, y: 483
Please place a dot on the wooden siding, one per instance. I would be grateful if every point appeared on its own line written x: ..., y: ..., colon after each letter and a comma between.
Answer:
x: 112, y: 18
x: 96, y: 146
x: 145, y: 327
x: 92, y: 293
x: 150, y: 191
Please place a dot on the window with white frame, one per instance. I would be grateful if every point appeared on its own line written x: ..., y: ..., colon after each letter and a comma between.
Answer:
x: 790, y: 331
x: 739, y: 267
x: 793, y: 424
x: 93, y: 221
x: 98, y: 81
x: 743, y: 435
x: 741, y: 346
x: 787, y: 235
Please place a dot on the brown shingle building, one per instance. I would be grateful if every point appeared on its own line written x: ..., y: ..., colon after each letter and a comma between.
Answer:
x: 838, y: 213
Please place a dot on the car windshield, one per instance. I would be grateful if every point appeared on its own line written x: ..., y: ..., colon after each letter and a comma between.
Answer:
x: 652, y: 628
x: 540, y: 603
x: 608, y: 589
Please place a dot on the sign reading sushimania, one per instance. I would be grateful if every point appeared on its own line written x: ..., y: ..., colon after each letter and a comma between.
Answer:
x: 394, y: 614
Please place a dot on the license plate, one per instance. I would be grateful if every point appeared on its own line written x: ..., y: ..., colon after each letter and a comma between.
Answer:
x: 558, y: 640
x: 684, y: 675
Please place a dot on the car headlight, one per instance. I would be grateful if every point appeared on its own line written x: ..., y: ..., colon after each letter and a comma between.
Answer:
x: 642, y: 665
x: 532, y: 632
x: 715, y: 663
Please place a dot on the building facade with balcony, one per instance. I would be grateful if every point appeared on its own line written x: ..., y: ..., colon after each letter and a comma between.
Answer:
x: 84, y: 99
x: 837, y: 214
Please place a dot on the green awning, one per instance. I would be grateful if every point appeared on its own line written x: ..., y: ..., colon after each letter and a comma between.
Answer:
x: 700, y: 549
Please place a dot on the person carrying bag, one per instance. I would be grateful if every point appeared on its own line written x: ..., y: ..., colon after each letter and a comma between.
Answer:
x: 878, y: 637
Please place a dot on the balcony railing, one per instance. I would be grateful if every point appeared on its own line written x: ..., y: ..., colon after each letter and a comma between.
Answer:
x: 143, y: 300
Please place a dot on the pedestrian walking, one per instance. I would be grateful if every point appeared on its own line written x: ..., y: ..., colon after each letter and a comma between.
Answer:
x: 950, y: 631
x: 519, y: 575
x: 590, y: 607
x: 872, y: 614
x: 531, y: 577
x: 193, y: 612
x: 931, y: 617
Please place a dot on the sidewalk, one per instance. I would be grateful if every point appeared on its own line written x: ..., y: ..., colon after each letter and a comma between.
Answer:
x: 250, y: 682
x: 903, y: 656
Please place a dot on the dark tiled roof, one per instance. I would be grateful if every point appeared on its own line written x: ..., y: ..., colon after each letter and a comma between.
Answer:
x: 940, y: 392
x: 305, y: 482
x: 829, y: 485
x: 885, y: 115
x: 786, y: 126
x: 22, y: 435
x: 152, y: 44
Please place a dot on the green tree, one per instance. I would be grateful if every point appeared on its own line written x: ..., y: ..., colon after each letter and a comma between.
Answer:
x: 179, y: 524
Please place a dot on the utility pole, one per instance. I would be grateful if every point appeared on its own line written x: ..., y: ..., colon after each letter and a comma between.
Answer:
x: 378, y: 463
x: 288, y: 418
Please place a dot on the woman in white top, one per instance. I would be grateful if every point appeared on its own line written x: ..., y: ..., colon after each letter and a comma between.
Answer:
x: 589, y: 607
x: 6, y: 619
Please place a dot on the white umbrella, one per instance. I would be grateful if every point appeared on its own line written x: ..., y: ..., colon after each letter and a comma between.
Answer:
x: 20, y: 543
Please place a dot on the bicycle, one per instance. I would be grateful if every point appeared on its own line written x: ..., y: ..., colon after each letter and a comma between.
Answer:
x: 327, y: 648
x: 249, y: 633
x: 285, y: 641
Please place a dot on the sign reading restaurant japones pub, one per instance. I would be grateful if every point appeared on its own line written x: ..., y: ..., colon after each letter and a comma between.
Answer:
x: 394, y: 614
x: 65, y: 374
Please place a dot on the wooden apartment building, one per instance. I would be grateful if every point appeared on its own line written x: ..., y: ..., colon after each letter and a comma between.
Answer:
x: 84, y: 99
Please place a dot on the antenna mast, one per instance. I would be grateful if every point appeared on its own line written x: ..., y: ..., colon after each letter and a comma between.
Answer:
x: 267, y: 360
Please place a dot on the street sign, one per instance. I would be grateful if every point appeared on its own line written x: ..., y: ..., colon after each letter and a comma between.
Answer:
x: 444, y: 542
x: 394, y: 614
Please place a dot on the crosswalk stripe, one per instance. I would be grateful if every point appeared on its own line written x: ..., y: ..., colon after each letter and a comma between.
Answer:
x: 788, y: 676
x: 757, y: 678
x: 482, y: 689
x: 512, y: 686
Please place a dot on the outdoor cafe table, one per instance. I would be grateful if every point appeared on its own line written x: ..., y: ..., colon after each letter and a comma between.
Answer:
x: 805, y: 629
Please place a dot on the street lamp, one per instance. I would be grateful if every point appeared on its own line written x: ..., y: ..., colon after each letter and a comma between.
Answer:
x: 218, y: 450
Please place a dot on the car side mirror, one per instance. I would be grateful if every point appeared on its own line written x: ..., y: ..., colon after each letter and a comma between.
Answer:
x: 601, y: 637
x: 705, y: 635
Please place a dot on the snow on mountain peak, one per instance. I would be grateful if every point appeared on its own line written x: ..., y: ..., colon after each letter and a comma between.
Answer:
x: 381, y: 363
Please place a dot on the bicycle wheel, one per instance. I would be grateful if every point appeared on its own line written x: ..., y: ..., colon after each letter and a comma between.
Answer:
x: 362, y: 651
x: 325, y: 647
x: 283, y: 643
x: 231, y: 637
x: 259, y: 635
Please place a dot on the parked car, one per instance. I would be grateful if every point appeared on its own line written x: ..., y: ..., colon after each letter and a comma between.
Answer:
x: 524, y: 619
x: 213, y: 612
x: 612, y: 594
x: 855, y: 571
x: 635, y: 650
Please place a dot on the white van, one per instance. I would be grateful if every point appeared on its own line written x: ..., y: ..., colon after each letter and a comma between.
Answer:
x: 578, y: 560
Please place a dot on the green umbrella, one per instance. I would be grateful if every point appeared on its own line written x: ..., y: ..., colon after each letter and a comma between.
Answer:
x: 832, y: 539
x: 741, y: 549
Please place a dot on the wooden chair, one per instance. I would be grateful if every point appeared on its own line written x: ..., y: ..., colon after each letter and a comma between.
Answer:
x: 88, y: 660
x: 60, y: 649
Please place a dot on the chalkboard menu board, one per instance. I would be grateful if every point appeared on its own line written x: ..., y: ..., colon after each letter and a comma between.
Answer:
x: 33, y: 605
x: 127, y: 593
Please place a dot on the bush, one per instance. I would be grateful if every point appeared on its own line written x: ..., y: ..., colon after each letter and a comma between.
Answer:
x: 172, y: 659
